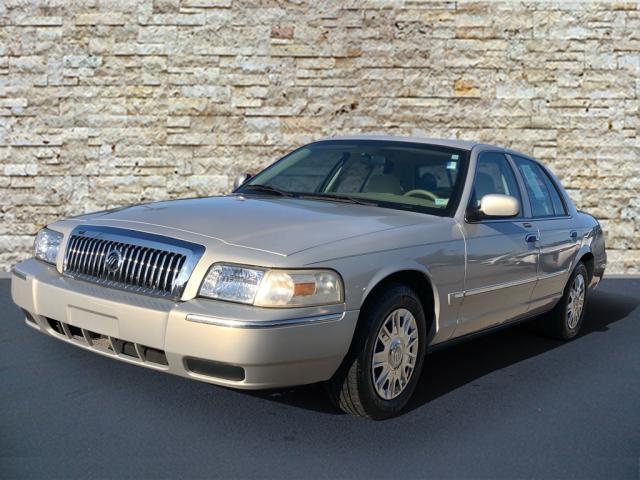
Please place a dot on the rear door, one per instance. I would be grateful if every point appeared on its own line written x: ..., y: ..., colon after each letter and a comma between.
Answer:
x: 502, y: 255
x: 558, y: 242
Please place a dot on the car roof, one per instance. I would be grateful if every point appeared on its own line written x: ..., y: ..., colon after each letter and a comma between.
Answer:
x: 460, y: 144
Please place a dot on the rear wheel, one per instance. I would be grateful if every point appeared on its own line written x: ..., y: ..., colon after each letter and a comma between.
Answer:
x: 379, y: 375
x: 566, y: 318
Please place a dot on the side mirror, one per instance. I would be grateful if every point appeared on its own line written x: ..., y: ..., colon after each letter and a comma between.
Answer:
x: 496, y: 205
x: 240, y: 179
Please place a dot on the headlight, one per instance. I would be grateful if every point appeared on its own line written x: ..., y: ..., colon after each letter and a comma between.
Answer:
x: 47, y: 245
x: 229, y: 282
x: 272, y: 288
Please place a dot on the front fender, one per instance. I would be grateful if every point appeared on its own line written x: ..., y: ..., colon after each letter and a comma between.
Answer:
x: 408, y: 266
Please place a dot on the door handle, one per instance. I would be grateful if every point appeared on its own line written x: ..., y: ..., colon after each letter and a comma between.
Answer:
x: 531, y: 237
x: 573, y: 234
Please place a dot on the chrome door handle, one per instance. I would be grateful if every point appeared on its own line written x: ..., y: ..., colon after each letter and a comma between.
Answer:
x: 531, y: 238
x: 573, y: 234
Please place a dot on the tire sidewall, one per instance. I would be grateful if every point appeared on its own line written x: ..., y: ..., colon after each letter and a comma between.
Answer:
x: 398, y: 297
x: 572, y: 332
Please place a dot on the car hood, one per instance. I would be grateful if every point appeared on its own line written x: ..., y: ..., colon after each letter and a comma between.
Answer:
x: 272, y: 224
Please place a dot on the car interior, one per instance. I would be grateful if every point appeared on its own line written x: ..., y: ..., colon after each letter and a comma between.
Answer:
x: 405, y: 175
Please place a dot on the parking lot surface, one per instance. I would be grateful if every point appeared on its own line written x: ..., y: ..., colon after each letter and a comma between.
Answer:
x: 511, y: 404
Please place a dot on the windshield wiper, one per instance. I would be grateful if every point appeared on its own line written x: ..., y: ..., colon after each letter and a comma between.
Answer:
x: 267, y: 189
x: 338, y: 198
x: 320, y: 196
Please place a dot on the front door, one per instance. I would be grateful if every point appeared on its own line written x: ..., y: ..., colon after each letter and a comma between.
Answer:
x: 502, y: 255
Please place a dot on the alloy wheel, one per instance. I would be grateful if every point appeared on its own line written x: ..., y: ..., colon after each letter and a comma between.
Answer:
x: 575, y: 303
x: 394, y: 354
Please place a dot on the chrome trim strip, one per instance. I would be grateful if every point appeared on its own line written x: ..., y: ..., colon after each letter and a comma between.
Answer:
x: 551, y: 275
x: 454, y: 296
x: 256, y: 324
x: 491, y: 288
x: 476, y: 291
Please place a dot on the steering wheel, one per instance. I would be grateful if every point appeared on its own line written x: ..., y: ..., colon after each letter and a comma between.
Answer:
x: 419, y: 192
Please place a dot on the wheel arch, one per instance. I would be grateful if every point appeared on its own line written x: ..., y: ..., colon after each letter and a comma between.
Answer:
x: 586, y: 256
x: 419, y: 279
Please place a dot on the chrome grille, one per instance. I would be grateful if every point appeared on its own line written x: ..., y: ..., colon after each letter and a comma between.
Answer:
x: 130, y: 260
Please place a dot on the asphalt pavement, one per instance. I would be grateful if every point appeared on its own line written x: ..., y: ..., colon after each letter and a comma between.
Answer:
x: 511, y: 404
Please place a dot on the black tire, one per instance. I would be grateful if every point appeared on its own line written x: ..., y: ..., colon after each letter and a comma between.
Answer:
x: 351, y: 388
x: 557, y: 323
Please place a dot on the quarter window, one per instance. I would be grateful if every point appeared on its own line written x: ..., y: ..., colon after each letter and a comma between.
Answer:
x: 493, y: 175
x: 543, y: 195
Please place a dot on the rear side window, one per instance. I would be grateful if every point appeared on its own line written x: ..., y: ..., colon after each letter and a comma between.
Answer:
x: 543, y: 193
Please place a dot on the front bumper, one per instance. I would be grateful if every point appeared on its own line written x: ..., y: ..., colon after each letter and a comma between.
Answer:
x: 234, y: 345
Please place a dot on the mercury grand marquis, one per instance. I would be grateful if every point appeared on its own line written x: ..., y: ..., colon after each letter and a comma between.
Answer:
x: 345, y: 262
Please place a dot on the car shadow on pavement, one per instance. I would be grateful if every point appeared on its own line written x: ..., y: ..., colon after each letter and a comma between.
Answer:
x: 452, y: 368
x: 462, y: 364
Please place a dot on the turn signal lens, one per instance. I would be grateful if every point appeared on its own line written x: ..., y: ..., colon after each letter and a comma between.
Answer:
x: 299, y: 288
x: 272, y: 288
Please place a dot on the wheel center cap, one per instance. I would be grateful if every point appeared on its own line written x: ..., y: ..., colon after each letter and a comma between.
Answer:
x: 395, y: 353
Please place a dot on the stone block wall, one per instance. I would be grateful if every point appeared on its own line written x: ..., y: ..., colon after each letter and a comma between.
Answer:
x: 111, y: 102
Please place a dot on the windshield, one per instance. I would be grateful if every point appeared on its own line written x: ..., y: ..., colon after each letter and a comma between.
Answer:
x: 402, y: 175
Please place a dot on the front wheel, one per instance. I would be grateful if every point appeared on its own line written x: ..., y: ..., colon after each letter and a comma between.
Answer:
x: 565, y: 320
x: 379, y: 375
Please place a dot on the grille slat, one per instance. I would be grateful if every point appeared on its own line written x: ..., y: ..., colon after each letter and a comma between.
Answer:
x: 148, y: 271
x: 87, y: 256
x: 94, y: 256
x: 83, y: 254
x: 136, y: 264
x: 72, y: 253
x: 135, y: 258
x: 103, y: 250
x: 170, y: 274
x: 127, y: 261
x: 152, y: 279
x: 167, y: 270
x: 159, y: 271
x: 142, y: 266
x: 69, y: 252
x: 141, y: 269
x: 77, y: 253
x: 176, y: 272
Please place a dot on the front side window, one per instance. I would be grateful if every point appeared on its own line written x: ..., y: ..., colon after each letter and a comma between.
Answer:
x: 543, y: 195
x: 401, y: 175
x: 493, y: 175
